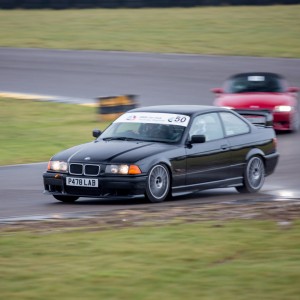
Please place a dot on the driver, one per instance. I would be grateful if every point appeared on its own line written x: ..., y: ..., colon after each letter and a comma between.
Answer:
x: 198, y: 127
x: 148, y: 129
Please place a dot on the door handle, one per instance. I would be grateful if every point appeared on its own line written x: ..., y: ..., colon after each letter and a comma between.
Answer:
x: 224, y: 147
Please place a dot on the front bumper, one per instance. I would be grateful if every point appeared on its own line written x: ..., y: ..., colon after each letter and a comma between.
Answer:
x: 282, y: 121
x: 108, y: 186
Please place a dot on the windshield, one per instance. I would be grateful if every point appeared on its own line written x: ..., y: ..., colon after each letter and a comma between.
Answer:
x: 245, y: 83
x: 147, y: 127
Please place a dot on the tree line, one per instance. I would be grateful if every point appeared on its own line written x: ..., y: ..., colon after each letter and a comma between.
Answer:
x: 64, y: 4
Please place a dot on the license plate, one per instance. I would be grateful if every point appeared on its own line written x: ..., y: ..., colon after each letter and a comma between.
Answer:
x: 86, y: 182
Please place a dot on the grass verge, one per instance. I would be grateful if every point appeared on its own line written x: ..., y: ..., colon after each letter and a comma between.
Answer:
x: 33, y: 131
x: 237, y: 30
x: 235, y: 260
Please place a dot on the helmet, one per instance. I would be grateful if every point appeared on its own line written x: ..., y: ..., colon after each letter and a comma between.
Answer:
x: 198, y: 127
x: 201, y: 126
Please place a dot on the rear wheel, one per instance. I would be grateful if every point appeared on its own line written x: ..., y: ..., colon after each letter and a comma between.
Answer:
x: 158, y: 184
x: 254, y: 176
x: 66, y: 199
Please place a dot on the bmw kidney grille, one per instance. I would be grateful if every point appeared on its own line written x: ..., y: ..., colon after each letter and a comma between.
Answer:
x: 81, y: 169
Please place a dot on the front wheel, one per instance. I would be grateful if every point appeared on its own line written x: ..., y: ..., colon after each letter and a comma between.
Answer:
x: 66, y: 199
x: 254, y: 176
x: 158, y: 184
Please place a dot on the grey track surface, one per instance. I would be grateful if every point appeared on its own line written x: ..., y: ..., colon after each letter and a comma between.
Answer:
x: 157, y: 79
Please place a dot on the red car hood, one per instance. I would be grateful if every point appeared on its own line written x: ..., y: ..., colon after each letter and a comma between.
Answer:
x: 254, y: 100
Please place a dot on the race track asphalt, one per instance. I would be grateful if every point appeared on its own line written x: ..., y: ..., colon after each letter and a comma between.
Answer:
x: 156, y: 79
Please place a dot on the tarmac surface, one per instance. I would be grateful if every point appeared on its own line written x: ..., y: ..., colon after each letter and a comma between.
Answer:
x: 79, y: 77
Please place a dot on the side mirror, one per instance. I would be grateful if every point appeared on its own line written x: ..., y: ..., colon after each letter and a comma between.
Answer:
x: 293, y: 89
x: 197, y: 139
x: 96, y: 133
x: 217, y: 91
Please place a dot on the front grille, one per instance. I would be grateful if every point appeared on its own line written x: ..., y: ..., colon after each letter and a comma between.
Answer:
x: 83, y: 191
x: 76, y: 169
x: 91, y: 170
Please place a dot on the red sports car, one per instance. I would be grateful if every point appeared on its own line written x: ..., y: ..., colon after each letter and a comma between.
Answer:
x: 262, y: 91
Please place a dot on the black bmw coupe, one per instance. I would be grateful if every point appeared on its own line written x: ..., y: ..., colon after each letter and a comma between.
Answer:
x: 162, y: 151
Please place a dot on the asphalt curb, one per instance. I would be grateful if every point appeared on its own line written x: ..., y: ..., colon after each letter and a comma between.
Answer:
x: 49, y: 98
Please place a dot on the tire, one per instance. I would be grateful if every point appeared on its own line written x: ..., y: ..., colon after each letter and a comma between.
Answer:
x: 66, y: 199
x: 158, y: 184
x: 254, y: 176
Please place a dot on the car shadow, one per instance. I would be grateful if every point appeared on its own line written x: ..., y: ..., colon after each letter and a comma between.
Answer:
x: 203, y: 197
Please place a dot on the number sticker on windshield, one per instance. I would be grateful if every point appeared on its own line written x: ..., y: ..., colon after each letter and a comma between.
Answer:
x: 156, y: 118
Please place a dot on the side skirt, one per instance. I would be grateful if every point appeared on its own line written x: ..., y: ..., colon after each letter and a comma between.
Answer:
x: 232, y: 182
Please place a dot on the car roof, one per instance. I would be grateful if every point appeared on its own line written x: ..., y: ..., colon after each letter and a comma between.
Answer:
x: 267, y: 74
x: 178, y: 109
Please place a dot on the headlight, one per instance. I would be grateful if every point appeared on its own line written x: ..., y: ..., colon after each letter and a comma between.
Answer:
x: 57, y: 166
x: 123, y: 169
x: 283, y: 108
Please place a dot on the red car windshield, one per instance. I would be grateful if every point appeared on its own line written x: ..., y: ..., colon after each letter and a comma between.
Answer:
x: 255, y: 82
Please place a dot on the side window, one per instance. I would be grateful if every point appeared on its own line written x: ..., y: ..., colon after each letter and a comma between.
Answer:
x: 208, y: 125
x: 233, y: 125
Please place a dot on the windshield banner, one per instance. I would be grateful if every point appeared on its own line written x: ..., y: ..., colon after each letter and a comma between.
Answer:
x: 156, y: 118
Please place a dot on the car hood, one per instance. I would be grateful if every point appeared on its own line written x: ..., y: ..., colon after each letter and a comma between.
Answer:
x: 254, y: 100
x: 112, y: 151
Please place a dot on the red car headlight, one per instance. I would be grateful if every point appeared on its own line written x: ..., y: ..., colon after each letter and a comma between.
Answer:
x: 283, y: 108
